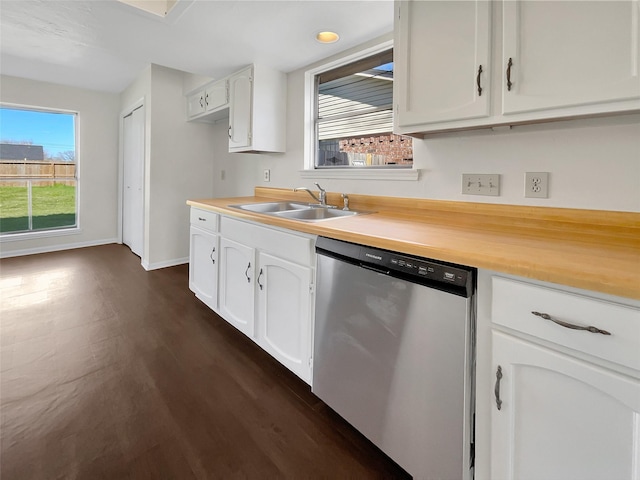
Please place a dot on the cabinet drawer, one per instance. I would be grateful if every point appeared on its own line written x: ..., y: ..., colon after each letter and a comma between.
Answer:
x: 513, y: 303
x: 204, y: 219
x: 285, y: 245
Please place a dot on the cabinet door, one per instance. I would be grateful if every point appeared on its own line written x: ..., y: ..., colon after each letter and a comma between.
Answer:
x: 195, y: 104
x: 240, y: 110
x: 570, y: 53
x: 217, y: 96
x: 203, y: 266
x: 561, y: 418
x: 284, y: 316
x: 440, y: 47
x: 237, y: 268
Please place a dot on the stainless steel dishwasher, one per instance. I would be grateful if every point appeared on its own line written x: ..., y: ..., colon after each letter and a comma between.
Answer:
x: 394, y: 351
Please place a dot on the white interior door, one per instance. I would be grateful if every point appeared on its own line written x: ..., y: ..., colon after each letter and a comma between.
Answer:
x: 133, y: 181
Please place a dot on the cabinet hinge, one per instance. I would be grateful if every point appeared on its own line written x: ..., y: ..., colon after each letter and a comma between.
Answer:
x: 312, y: 288
x: 310, y: 362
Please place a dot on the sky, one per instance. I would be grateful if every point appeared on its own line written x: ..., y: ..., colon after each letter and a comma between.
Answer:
x: 54, y: 131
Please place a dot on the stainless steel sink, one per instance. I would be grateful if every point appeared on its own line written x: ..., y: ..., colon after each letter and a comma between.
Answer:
x: 270, y: 207
x: 315, y: 214
x: 305, y: 212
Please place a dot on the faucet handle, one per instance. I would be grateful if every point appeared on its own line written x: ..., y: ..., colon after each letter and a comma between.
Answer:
x: 345, y: 199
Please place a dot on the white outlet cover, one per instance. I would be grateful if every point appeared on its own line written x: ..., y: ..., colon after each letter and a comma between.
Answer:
x: 536, y: 184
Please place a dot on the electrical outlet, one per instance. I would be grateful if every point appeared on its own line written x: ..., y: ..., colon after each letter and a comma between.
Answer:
x: 267, y: 175
x: 536, y: 184
x: 481, y: 184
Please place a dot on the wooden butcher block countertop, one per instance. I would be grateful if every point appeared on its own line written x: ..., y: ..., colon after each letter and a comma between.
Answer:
x: 591, y: 249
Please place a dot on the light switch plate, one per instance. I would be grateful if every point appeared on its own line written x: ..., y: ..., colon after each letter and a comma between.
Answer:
x: 481, y: 184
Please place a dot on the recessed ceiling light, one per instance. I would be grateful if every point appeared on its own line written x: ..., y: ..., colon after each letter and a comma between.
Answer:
x: 327, y: 37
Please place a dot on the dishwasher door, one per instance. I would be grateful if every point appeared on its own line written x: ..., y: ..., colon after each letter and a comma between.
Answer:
x: 394, y: 358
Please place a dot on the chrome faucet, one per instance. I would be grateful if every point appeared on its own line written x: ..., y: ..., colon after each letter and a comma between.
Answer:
x: 322, y: 194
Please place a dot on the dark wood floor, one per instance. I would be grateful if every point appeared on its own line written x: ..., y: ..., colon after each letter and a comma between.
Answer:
x: 108, y: 371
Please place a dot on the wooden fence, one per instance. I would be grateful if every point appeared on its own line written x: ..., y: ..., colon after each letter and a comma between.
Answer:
x: 15, y: 172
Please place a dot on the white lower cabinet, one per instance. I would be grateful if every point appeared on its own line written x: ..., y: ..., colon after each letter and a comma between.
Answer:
x: 560, y: 417
x: 203, y: 266
x: 284, y: 306
x: 266, y: 289
x: 237, y: 269
x: 563, y: 386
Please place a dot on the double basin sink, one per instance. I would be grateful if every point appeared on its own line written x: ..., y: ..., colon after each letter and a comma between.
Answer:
x: 306, y: 212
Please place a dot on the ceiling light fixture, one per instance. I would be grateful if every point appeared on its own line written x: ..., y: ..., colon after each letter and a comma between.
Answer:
x: 327, y: 37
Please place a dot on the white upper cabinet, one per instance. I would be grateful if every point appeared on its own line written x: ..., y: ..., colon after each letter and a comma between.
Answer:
x: 240, y: 85
x: 257, y: 110
x: 216, y: 95
x: 551, y: 60
x: 570, y: 53
x: 209, y: 103
x: 442, y: 50
x: 195, y: 105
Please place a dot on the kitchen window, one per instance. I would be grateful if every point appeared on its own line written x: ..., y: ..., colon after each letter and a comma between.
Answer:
x: 350, y: 118
x: 38, y: 172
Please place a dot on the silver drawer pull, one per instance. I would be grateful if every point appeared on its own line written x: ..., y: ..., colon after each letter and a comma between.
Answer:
x: 496, y: 389
x: 570, y: 325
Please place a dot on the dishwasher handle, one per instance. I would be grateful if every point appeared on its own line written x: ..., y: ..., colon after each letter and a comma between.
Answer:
x: 383, y: 271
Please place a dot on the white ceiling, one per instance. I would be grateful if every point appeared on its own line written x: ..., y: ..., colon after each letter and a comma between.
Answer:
x: 105, y: 44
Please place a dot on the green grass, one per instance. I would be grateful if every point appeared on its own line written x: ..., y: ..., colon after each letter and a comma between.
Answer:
x: 52, y: 207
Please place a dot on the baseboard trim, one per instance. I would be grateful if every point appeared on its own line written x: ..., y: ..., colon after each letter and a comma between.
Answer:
x: 56, y: 248
x: 167, y: 263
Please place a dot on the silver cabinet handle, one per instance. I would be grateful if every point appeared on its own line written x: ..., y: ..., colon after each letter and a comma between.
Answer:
x: 496, y: 389
x: 229, y: 131
x: 246, y: 272
x: 258, y: 280
x: 570, y: 325
x: 213, y: 260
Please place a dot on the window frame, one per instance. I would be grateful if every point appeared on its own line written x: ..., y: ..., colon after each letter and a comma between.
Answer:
x: 61, y: 231
x: 310, y: 113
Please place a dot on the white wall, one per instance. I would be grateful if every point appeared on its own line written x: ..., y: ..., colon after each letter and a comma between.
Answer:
x: 181, y: 167
x: 97, y: 158
x: 593, y: 163
x: 178, y: 163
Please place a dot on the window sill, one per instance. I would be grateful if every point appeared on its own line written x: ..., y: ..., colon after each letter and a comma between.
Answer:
x: 404, y: 174
x: 14, y: 237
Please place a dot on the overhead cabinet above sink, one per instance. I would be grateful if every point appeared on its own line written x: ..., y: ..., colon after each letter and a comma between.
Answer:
x: 254, y: 100
x: 473, y: 64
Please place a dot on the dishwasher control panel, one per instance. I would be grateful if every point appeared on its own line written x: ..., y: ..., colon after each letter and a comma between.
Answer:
x: 445, y: 276
x: 427, y: 269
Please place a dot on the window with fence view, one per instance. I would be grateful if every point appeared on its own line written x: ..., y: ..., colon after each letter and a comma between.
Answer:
x: 38, y: 170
